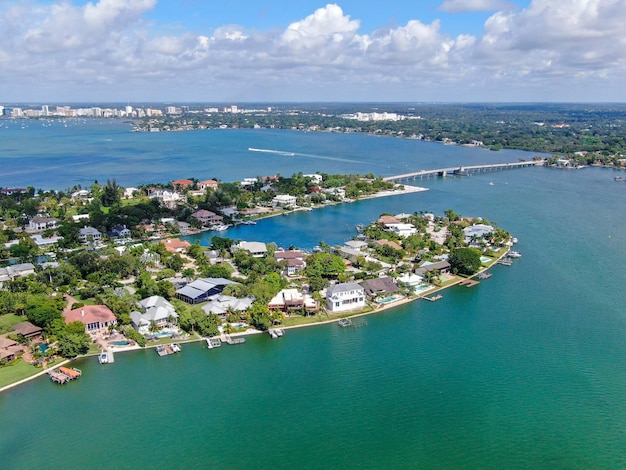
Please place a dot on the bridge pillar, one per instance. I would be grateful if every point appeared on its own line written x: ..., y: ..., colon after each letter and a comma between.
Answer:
x: 444, y: 173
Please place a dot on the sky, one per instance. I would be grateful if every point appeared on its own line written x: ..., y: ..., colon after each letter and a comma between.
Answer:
x: 307, y: 50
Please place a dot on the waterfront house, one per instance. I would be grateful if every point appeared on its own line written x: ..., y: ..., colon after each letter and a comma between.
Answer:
x: 290, y: 300
x: 404, y: 230
x: 221, y: 304
x: 156, y: 311
x: 411, y: 280
x: 345, y: 296
x: 356, y: 244
x: 477, y: 231
x: 89, y: 234
x: 206, y: 217
x: 95, y: 317
x: 202, y: 289
x: 379, y: 286
x: 441, y: 267
x: 181, y: 184
x: 284, y: 200
x: 388, y: 219
x: 207, y: 184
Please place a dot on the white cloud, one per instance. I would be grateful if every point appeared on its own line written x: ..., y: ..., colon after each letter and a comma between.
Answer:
x: 463, y: 6
x: 108, y: 49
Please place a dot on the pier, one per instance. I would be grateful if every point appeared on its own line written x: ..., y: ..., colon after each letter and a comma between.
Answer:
x: 229, y: 340
x: 213, y: 342
x: 167, y: 349
x: 62, y: 375
x: 469, y: 283
x: 433, y: 298
x: 462, y: 170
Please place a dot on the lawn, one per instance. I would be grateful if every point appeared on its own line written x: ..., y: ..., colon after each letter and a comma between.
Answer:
x: 20, y: 370
x: 7, y: 321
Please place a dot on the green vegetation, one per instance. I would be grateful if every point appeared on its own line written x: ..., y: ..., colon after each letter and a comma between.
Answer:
x: 465, y: 261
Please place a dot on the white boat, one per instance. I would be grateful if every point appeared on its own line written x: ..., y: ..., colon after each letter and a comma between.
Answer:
x: 514, y: 240
x: 220, y: 228
x: 515, y: 254
x: 490, y: 183
x: 103, y: 358
x: 175, y: 347
x: 344, y: 322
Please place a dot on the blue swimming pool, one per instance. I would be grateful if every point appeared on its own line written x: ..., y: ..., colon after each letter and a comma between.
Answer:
x: 484, y: 259
x: 119, y: 343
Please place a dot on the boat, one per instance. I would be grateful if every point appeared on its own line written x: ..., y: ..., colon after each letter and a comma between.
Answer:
x: 515, y: 254
x: 103, y: 358
x: 490, y: 183
x: 514, y: 240
x: 175, y: 347
x: 220, y: 228
x: 619, y: 178
x: 344, y: 322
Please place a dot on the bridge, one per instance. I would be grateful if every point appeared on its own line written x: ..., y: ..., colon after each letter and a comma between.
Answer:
x: 462, y: 170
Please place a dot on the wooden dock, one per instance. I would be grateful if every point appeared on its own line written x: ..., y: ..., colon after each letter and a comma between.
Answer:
x: 469, y: 283
x: 167, y: 349
x: 58, y: 377
x: 62, y: 375
x: 484, y: 275
x: 505, y: 262
x: 433, y: 298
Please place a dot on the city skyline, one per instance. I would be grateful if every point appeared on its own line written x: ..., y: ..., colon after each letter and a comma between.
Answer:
x: 440, y: 50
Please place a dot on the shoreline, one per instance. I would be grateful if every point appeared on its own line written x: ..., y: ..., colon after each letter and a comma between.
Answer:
x: 380, y: 308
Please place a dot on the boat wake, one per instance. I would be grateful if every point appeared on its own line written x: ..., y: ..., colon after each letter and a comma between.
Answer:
x: 275, y: 152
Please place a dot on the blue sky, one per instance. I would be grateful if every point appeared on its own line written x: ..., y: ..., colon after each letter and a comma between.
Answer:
x: 307, y: 50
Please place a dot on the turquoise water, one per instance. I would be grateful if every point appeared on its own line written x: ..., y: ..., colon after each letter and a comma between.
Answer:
x: 525, y: 370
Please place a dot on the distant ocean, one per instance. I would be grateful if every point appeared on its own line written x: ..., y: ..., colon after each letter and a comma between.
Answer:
x: 525, y: 370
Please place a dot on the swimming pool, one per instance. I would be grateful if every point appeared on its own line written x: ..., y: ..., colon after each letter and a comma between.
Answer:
x: 387, y: 300
x: 422, y: 288
x: 119, y: 343
x: 484, y: 259
x: 161, y: 335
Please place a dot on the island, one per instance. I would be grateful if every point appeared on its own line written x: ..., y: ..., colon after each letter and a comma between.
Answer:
x: 102, y: 270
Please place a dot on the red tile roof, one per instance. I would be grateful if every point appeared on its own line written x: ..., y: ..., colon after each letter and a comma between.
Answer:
x: 89, y: 314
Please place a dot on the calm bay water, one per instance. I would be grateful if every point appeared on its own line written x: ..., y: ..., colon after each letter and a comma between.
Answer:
x: 525, y: 370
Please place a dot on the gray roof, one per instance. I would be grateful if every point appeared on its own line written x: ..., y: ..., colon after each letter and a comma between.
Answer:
x: 201, y: 286
x: 344, y: 287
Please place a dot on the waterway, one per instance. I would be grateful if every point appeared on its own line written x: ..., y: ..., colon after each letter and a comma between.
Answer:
x: 525, y: 370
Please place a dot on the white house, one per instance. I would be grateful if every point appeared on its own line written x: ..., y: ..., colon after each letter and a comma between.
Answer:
x: 88, y: 234
x: 477, y: 231
x: 404, y: 230
x: 256, y: 249
x: 157, y: 311
x: 345, y: 296
x: 284, y: 200
x: 39, y: 223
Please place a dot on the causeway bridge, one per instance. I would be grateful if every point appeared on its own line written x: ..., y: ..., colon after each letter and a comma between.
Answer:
x: 462, y: 170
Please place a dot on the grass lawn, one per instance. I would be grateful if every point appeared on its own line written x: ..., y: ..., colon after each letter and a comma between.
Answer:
x: 7, y: 321
x: 21, y: 370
